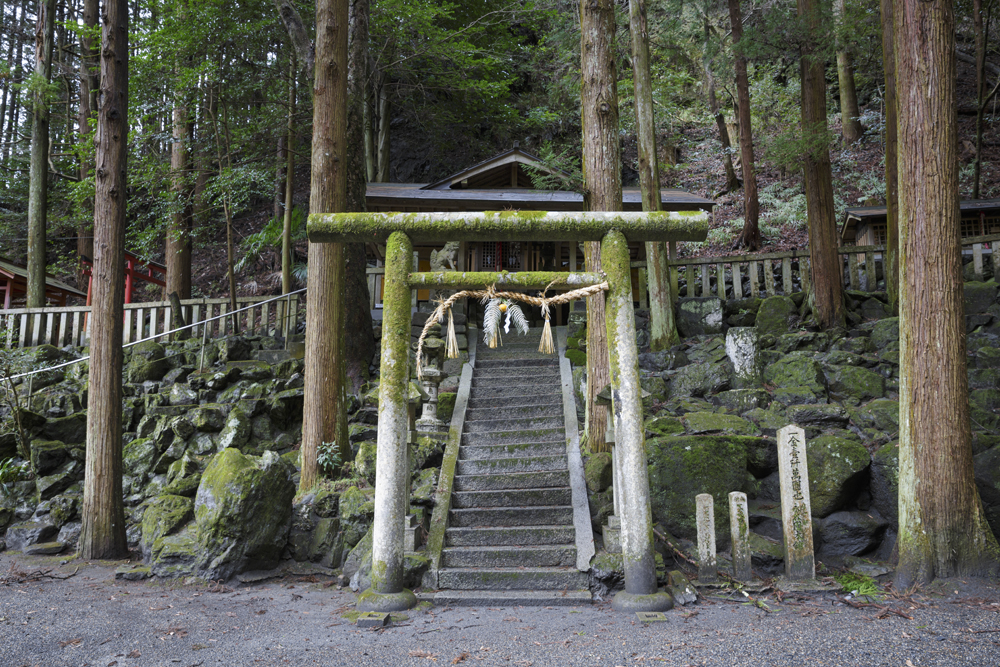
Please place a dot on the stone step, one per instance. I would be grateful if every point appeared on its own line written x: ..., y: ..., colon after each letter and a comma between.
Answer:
x: 499, y: 378
x: 487, y: 439
x: 514, y: 390
x: 509, y: 465
x: 513, y: 598
x: 514, y: 413
x: 513, y: 578
x: 509, y: 536
x: 563, y: 555
x: 519, y: 401
x: 541, y: 479
x: 486, y: 517
x: 507, y: 451
x: 512, y: 497
x: 505, y: 425
x: 549, y: 361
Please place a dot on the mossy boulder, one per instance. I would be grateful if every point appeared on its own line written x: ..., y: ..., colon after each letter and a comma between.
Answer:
x: 881, y: 414
x: 838, y: 467
x: 885, y: 333
x: 59, y: 480
x: 359, y: 565
x: 138, y: 456
x: 577, y: 358
x: 234, y: 348
x: 987, y: 469
x: 48, y: 455
x: 794, y: 396
x: 711, y: 422
x: 818, y: 415
x: 242, y: 511
x: 663, y: 425
x: 797, y: 370
x: 853, y: 382
x: 777, y: 316
x: 597, y: 472
x: 357, y: 510
x: 236, y: 432
x: 885, y: 482
x: 697, y: 316
x: 147, y: 363
x: 163, y: 516
x: 364, y: 462
x: 702, y: 379
x: 681, y: 467
x: 71, y: 429
x: 979, y: 296
x: 446, y: 405
x: 742, y: 400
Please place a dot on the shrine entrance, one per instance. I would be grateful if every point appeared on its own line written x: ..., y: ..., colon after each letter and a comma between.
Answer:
x: 614, y: 231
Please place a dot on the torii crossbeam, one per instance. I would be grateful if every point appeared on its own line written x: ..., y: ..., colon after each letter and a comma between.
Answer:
x: 614, y: 230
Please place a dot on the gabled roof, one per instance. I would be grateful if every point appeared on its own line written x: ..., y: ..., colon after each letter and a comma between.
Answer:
x: 506, y: 170
x: 867, y: 215
x: 14, y: 282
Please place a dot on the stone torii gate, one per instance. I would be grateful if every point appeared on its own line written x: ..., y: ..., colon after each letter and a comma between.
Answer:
x: 614, y: 231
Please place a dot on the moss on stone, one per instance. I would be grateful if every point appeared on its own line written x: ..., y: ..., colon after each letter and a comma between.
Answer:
x: 837, y: 466
x: 597, y: 472
x: 854, y: 382
x: 710, y: 422
x: 797, y: 370
x: 446, y: 405
x: 164, y: 516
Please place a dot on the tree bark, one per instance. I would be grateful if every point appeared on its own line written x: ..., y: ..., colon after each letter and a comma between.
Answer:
x: 663, y: 329
x: 324, y: 356
x: 980, y: 37
x: 602, y: 179
x: 297, y: 33
x: 732, y: 181
x: 102, y: 534
x: 38, y: 187
x: 749, y: 238
x: 942, y: 528
x: 359, y: 333
x: 286, y: 229
x: 891, y: 172
x: 280, y: 175
x: 178, y: 238
x: 827, y: 295
x: 384, y: 107
x: 89, y: 64
x: 849, y: 113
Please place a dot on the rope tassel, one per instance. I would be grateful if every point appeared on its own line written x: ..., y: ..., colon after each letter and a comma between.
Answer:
x: 452, y: 348
x: 546, y: 346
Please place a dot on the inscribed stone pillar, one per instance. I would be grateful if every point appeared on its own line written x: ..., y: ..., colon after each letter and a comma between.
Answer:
x: 743, y: 351
x: 391, y: 469
x: 795, y: 508
x: 705, y: 520
x: 739, y: 528
x: 640, y: 592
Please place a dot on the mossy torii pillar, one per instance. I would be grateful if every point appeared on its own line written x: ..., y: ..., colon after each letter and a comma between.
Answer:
x: 614, y: 230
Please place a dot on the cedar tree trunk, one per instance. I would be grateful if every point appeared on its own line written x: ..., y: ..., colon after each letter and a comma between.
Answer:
x: 324, y: 356
x: 663, y: 329
x: 38, y: 186
x: 891, y: 174
x: 88, y: 89
x: 602, y: 180
x: 749, y: 238
x: 103, y: 531
x: 942, y: 527
x: 178, y: 241
x: 849, y: 112
x: 827, y: 294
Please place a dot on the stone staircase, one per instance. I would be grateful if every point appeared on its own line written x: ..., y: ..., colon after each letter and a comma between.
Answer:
x: 510, y: 536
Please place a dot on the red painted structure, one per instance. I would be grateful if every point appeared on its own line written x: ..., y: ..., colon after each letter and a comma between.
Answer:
x: 136, y: 268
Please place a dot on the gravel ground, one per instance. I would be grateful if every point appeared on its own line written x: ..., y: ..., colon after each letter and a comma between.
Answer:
x: 91, y: 619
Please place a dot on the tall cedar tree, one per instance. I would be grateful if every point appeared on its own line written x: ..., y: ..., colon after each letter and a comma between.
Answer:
x: 663, y: 329
x: 942, y: 528
x: 602, y: 180
x: 827, y: 298
x: 88, y: 97
x: 38, y: 188
x: 322, y: 419
x: 749, y: 238
x: 891, y: 174
x: 102, y: 534
x: 732, y: 181
x: 178, y: 238
x: 851, y: 127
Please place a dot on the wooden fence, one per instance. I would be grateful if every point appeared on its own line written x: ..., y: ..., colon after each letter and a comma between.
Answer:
x: 744, y: 276
x: 27, y: 327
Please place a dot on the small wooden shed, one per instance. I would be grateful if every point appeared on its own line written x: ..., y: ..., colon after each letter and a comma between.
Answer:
x: 14, y: 286
x: 866, y: 225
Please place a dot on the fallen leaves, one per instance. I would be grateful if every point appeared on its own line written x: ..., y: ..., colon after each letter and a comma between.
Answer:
x: 460, y: 658
x: 417, y: 653
x: 70, y: 642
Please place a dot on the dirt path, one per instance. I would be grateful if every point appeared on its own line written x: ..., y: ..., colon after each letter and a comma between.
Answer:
x: 93, y: 620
